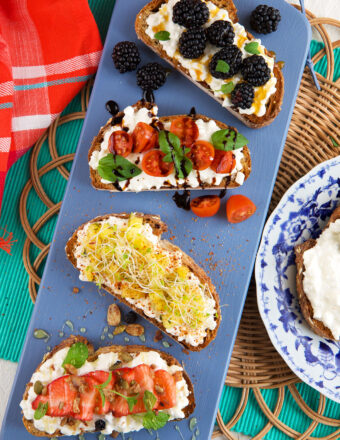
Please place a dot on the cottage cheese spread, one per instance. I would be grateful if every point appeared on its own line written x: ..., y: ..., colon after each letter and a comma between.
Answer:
x: 52, y: 369
x: 321, y: 280
x: 199, y: 68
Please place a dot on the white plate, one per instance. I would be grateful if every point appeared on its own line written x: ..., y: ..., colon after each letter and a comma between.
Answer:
x: 301, y: 214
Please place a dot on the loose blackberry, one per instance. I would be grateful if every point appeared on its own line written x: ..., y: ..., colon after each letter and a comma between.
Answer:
x: 232, y: 56
x: 221, y: 33
x: 243, y: 95
x: 100, y: 425
x: 192, y: 43
x: 125, y: 56
x: 255, y: 70
x: 190, y: 13
x: 151, y: 76
x: 131, y: 317
x: 265, y: 19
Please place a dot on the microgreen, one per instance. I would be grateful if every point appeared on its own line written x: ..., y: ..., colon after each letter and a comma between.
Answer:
x: 41, y: 410
x: 170, y: 145
x: 334, y: 142
x: 117, y: 168
x: 162, y: 35
x: 131, y: 400
x: 77, y: 355
x: 103, y: 385
x: 252, y: 47
x: 155, y: 421
x: 149, y: 400
x: 227, y: 88
x: 228, y: 140
x: 222, y: 66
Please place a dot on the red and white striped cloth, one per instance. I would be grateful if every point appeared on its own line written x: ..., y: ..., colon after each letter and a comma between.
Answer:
x: 48, y: 50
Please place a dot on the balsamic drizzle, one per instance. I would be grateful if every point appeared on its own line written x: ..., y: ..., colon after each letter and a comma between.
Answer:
x: 117, y: 119
x: 182, y: 200
x: 192, y: 112
x: 149, y: 96
x: 112, y: 107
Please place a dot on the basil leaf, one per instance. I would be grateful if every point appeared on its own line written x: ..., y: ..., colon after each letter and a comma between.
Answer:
x: 222, y: 66
x: 228, y: 140
x: 162, y: 35
x: 252, y: 47
x: 77, y: 355
x: 131, y: 401
x: 41, y: 410
x: 153, y: 421
x: 227, y: 88
x: 170, y: 145
x: 113, y: 168
x: 149, y: 400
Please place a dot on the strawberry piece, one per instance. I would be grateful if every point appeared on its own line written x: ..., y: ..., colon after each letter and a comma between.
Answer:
x: 164, y: 381
x: 119, y: 407
x: 99, y: 377
x: 87, y: 400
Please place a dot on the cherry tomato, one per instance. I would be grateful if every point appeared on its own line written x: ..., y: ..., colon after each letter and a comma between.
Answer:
x: 144, y: 137
x: 120, y: 143
x: 205, y: 206
x: 239, y: 208
x: 186, y: 129
x: 201, y: 155
x: 153, y: 164
x: 224, y: 162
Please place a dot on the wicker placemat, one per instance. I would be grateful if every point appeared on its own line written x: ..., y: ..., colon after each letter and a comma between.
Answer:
x: 313, y: 137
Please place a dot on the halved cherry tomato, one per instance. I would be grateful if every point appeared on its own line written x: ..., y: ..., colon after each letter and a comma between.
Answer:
x: 153, y: 164
x: 201, y: 154
x: 144, y: 137
x: 239, y: 208
x: 120, y: 143
x: 205, y: 206
x: 224, y: 162
x: 186, y: 129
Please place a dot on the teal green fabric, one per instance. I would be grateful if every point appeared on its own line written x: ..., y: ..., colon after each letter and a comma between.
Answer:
x: 16, y: 306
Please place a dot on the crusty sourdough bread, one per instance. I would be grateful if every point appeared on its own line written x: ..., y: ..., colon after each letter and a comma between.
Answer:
x: 29, y: 425
x: 95, y: 146
x: 158, y: 228
x: 317, y: 326
x: 275, y: 101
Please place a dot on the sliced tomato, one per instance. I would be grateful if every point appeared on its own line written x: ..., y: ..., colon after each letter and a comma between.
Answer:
x: 153, y: 164
x: 239, y: 208
x: 201, y: 155
x: 165, y: 389
x: 186, y: 129
x: 144, y: 137
x: 224, y: 162
x: 120, y: 143
x: 205, y: 206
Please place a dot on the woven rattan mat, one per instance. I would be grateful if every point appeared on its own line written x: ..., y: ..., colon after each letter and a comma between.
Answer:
x: 313, y: 137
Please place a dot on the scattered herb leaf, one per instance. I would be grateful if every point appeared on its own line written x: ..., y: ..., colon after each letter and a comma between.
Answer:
x: 228, y: 140
x: 227, y: 88
x: 162, y: 35
x: 170, y: 145
x: 131, y: 400
x: 155, y: 421
x: 149, y: 400
x: 117, y: 168
x: 41, y: 334
x: 334, y: 142
x: 77, y: 355
x: 222, y: 66
x: 192, y: 423
x: 41, y: 410
x: 103, y: 385
x: 252, y: 47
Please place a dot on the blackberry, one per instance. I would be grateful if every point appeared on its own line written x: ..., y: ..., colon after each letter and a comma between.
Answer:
x: 255, y: 70
x: 131, y: 317
x: 232, y: 56
x: 125, y: 56
x: 100, y: 425
x: 243, y: 95
x: 190, y: 13
x: 265, y: 19
x: 221, y: 33
x: 192, y: 43
x: 151, y: 76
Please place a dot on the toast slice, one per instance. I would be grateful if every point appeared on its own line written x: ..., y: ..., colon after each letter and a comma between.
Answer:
x: 317, y: 326
x: 273, y: 106
x: 228, y: 181
x: 71, y: 423
x: 206, y: 299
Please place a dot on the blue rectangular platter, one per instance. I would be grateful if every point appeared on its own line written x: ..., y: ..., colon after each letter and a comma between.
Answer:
x: 225, y: 251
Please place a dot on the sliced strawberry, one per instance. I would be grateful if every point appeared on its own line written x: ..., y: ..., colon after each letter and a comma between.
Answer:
x: 99, y: 378
x: 87, y: 402
x: 165, y: 389
x: 143, y: 376
x: 126, y: 373
x: 119, y: 407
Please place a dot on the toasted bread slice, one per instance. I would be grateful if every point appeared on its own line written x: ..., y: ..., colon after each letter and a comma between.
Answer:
x: 227, y: 182
x: 93, y: 355
x: 273, y: 105
x: 317, y: 326
x: 158, y: 228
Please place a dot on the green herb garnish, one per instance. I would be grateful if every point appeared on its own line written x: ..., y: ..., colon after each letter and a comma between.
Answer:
x: 334, y: 142
x: 252, y: 47
x: 170, y: 145
x: 228, y: 140
x: 77, y: 355
x: 222, y: 66
x: 41, y: 410
x: 162, y: 35
x: 227, y: 88
x: 149, y: 400
x: 103, y: 385
x: 117, y: 168
x: 131, y: 400
x: 155, y: 421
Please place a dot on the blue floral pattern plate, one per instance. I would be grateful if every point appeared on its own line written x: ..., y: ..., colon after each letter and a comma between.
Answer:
x: 301, y: 214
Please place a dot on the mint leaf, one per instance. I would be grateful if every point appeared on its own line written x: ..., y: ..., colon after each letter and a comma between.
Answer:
x: 41, y: 410
x: 77, y: 355
x: 103, y: 385
x: 153, y: 421
x: 227, y: 88
x: 117, y: 168
x: 252, y: 47
x: 170, y: 145
x: 222, y: 66
x: 228, y: 140
x: 131, y: 400
x: 162, y: 35
x: 149, y: 400
x: 335, y: 144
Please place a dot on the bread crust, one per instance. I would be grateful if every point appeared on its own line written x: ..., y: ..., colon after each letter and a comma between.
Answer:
x: 97, y: 140
x: 317, y: 326
x: 170, y: 360
x: 253, y: 121
x: 158, y: 228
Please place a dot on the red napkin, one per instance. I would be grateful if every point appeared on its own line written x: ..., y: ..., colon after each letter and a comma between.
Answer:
x: 48, y: 50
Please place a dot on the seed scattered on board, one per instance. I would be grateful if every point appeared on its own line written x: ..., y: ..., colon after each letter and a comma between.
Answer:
x: 41, y: 334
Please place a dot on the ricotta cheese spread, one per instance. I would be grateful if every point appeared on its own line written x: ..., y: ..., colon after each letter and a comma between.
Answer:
x: 199, y: 68
x: 144, y: 181
x: 52, y: 369
x: 321, y: 278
